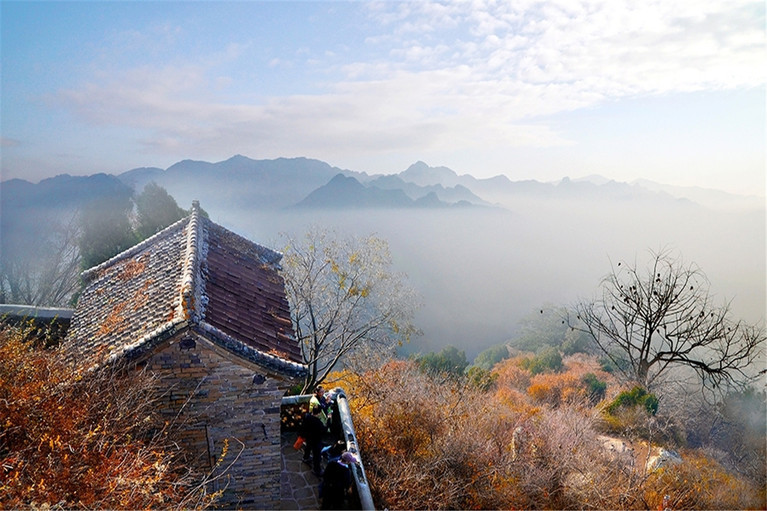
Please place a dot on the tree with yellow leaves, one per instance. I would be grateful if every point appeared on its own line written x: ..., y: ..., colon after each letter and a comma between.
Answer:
x: 345, y: 298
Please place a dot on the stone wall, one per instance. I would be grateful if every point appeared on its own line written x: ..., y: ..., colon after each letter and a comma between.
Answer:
x: 225, y: 401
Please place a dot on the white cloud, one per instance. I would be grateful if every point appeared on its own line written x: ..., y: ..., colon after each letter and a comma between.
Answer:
x: 629, y: 45
x: 452, y: 76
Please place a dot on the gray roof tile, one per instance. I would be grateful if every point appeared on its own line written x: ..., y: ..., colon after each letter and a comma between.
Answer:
x: 194, y: 274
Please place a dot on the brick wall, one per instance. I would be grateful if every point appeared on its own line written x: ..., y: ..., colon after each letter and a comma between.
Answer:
x: 225, y: 400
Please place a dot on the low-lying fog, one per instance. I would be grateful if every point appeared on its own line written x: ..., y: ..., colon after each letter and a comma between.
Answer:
x: 479, y: 271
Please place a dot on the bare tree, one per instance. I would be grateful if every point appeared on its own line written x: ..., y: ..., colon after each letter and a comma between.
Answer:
x: 649, y: 321
x: 344, y: 298
x: 43, y: 250
x: 42, y: 267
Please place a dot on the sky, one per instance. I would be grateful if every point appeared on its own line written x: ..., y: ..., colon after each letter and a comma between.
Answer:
x: 667, y: 90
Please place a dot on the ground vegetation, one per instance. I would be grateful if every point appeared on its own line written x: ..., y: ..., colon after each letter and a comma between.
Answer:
x: 573, y: 437
x: 85, y: 440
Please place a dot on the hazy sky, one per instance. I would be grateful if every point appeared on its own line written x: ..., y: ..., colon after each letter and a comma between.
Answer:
x: 669, y: 90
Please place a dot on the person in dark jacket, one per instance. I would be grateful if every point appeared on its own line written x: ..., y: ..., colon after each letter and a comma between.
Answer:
x: 334, y: 451
x: 312, y: 430
x: 337, y: 482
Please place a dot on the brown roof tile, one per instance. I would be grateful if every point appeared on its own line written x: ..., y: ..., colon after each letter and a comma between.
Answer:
x: 194, y: 274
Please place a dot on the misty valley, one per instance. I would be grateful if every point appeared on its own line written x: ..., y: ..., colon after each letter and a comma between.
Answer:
x: 480, y: 266
x: 503, y: 249
x: 480, y: 271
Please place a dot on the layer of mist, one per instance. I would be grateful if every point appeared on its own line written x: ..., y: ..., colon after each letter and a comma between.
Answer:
x: 479, y: 271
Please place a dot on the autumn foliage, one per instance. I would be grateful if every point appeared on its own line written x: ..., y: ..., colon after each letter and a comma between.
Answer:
x: 530, y: 441
x: 83, y: 440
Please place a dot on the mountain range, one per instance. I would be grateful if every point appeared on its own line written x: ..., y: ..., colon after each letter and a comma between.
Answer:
x: 241, y: 182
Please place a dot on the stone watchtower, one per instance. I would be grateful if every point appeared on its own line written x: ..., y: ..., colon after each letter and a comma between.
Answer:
x: 206, y: 311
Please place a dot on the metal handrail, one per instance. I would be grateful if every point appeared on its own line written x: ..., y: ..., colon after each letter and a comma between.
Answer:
x: 358, y: 473
x: 350, y: 437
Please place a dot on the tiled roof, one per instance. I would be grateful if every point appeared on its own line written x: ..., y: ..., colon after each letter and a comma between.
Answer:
x: 193, y: 275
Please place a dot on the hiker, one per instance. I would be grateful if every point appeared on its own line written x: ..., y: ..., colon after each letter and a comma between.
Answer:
x: 312, y: 430
x: 333, y: 452
x: 318, y: 399
x: 337, y: 481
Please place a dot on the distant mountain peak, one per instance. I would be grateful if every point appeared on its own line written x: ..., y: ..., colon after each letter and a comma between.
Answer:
x: 420, y: 164
x: 422, y: 174
x: 347, y: 182
x: 345, y: 192
x: 239, y: 158
x: 596, y: 179
x: 430, y: 200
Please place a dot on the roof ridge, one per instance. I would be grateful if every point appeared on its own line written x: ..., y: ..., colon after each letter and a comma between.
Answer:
x: 187, y: 307
x: 135, y: 249
x: 200, y: 296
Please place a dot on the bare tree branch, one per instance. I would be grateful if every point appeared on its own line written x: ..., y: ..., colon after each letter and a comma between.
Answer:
x: 43, y: 269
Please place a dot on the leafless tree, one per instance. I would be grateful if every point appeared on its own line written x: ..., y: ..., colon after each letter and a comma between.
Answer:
x: 345, y: 298
x: 649, y: 321
x: 42, y: 268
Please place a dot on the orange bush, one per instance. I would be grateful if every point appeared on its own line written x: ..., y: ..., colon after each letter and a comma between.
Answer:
x: 511, y: 374
x: 580, y: 364
x: 557, y: 388
x: 80, y: 441
x: 513, y: 399
x: 701, y: 483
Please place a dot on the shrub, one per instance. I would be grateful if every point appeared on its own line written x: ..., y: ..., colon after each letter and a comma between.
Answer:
x: 595, y: 388
x: 512, y: 375
x: 481, y: 379
x: 637, y: 396
x: 548, y: 359
x: 632, y: 412
x: 449, y: 360
x: 556, y: 389
x: 650, y: 404
x: 82, y: 440
x: 513, y: 399
x: 491, y: 356
x: 701, y: 483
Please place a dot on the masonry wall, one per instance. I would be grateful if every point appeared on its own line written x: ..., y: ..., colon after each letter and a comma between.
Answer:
x: 225, y: 403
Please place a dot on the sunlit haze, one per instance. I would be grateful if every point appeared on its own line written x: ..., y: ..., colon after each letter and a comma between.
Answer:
x: 671, y: 91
